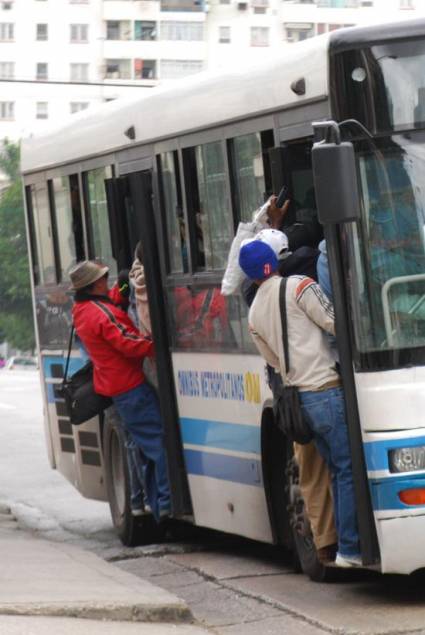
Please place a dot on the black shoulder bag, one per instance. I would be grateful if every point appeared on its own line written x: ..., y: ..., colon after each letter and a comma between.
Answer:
x: 82, y: 402
x: 290, y: 418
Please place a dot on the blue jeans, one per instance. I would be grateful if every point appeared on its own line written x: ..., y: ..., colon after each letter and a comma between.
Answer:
x: 139, y: 411
x: 325, y: 413
x: 135, y: 462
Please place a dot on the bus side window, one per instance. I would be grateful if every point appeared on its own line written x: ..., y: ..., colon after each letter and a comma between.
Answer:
x: 99, y: 236
x: 251, y: 178
x: 31, y: 226
x: 43, y: 235
x: 67, y: 210
x: 209, y: 209
x: 171, y: 203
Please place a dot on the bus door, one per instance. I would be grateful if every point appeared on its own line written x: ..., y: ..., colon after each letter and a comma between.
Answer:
x: 132, y: 219
x: 291, y: 164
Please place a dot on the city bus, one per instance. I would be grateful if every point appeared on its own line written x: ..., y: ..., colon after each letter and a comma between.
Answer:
x: 178, y: 169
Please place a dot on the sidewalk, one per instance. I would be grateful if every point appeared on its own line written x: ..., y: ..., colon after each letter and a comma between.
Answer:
x: 56, y: 580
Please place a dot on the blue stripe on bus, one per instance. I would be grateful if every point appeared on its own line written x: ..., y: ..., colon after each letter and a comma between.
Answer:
x: 376, y: 452
x: 226, y: 436
x: 75, y: 363
x: 224, y: 467
x: 385, y: 492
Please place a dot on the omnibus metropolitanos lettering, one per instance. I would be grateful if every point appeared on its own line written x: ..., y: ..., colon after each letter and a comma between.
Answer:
x: 178, y: 169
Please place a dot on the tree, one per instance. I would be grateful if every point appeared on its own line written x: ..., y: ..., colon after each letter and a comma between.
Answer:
x: 16, y: 318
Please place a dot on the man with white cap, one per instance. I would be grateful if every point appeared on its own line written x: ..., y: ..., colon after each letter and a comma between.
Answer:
x: 117, y: 349
x: 312, y: 371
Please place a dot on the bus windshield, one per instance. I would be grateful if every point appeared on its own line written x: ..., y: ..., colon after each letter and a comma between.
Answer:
x: 382, y: 86
x: 387, y: 265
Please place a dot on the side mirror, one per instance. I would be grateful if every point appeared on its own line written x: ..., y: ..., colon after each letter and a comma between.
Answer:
x: 335, y: 180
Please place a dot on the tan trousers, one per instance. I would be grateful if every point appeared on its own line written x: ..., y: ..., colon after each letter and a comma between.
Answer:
x: 315, y: 485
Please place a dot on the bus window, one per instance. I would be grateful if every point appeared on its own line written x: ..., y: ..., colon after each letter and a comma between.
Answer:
x: 204, y: 319
x: 68, y: 222
x: 43, y: 233
x: 173, y: 212
x: 98, y: 220
x: 251, y: 171
x: 208, y: 205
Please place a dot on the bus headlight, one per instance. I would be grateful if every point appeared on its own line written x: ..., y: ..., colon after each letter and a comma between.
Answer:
x: 407, y: 459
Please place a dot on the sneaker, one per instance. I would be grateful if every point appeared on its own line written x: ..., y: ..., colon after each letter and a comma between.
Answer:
x: 139, y: 511
x: 327, y: 554
x: 347, y: 562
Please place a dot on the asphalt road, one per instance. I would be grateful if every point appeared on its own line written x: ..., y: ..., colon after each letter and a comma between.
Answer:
x: 232, y: 585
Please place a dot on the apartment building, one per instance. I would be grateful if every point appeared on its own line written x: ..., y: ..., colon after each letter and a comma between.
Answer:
x: 58, y: 57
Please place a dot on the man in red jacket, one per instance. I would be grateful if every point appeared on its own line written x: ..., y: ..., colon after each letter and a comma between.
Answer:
x: 117, y: 349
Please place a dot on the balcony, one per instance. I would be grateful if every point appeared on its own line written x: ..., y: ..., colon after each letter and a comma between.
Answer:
x: 118, y: 30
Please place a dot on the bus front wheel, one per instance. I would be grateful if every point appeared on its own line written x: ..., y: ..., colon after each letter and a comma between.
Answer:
x: 132, y: 530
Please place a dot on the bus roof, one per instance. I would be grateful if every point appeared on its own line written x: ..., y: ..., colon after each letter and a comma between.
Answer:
x: 194, y: 103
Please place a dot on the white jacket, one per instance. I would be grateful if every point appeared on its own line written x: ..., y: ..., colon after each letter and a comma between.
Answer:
x: 309, y: 315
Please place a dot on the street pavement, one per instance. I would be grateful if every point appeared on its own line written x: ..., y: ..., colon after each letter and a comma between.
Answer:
x: 231, y: 586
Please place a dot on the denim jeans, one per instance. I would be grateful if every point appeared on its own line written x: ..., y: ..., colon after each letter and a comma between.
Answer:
x: 139, y: 411
x: 135, y: 462
x: 325, y: 413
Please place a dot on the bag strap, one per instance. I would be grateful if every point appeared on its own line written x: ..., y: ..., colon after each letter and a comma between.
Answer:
x: 283, y: 317
x: 71, y: 337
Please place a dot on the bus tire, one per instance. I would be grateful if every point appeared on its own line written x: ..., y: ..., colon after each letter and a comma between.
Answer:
x: 305, y: 550
x: 131, y: 530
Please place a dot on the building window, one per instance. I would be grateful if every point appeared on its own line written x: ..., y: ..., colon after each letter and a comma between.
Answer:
x: 144, y: 69
x: 407, y: 4
x: 42, y: 71
x: 259, y: 36
x: 79, y: 33
x: 339, y: 4
x: 7, y: 32
x: 224, y: 34
x: 224, y: 1
x: 78, y: 1
x: 145, y: 30
x: 42, y: 111
x: 7, y: 70
x: 42, y: 32
x: 188, y: 31
x: 76, y: 106
x: 118, y: 30
x: 6, y: 6
x: 182, y: 5
x: 118, y: 69
x: 7, y: 110
x: 174, y: 69
x: 79, y: 72
x: 260, y: 6
x: 297, y: 31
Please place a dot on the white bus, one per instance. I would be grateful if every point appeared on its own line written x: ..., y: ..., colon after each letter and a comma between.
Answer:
x: 178, y: 169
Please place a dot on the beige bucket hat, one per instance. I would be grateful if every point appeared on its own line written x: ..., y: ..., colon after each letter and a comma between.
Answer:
x: 85, y: 273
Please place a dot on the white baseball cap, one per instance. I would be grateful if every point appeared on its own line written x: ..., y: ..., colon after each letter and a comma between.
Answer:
x: 276, y: 239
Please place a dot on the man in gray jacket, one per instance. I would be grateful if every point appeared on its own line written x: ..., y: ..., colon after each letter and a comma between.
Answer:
x: 309, y: 316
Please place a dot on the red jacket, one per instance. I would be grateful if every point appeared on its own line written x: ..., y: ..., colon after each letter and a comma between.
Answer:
x: 114, y: 345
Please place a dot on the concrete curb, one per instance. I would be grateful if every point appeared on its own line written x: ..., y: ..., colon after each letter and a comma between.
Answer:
x: 133, y: 612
